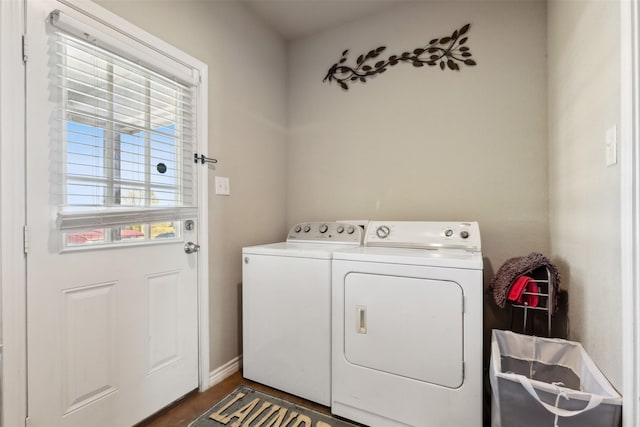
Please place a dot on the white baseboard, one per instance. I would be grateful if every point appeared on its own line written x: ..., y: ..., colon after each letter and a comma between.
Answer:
x: 219, y: 374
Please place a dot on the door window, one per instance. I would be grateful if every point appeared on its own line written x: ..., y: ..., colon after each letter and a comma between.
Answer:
x: 125, y: 147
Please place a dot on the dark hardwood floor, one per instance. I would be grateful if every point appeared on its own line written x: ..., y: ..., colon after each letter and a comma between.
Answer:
x: 190, y: 407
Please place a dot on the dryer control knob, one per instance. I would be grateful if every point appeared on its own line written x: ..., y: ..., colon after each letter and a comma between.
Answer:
x: 383, y: 232
x: 351, y: 229
x: 298, y: 229
x: 464, y: 234
x: 307, y: 228
x: 340, y: 229
x: 324, y: 228
x: 448, y: 232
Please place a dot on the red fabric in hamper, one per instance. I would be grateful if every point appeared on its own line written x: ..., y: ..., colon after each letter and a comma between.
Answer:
x: 519, y: 287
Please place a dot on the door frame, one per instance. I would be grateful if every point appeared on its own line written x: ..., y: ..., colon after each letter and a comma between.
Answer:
x: 12, y: 213
x: 12, y: 198
x: 630, y: 207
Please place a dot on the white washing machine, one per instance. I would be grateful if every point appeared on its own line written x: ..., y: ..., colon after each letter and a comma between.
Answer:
x: 407, y: 326
x: 286, y: 309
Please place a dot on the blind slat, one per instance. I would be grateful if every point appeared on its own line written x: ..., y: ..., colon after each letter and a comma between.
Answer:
x: 99, y: 111
x: 101, y: 90
x: 82, y: 221
x: 89, y: 117
x: 182, y: 97
x: 83, y: 68
x: 157, y: 150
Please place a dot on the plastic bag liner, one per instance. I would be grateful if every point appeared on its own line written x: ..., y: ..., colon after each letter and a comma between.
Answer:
x: 542, y: 382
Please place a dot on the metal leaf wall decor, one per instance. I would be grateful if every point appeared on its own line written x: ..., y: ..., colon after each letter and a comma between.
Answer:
x: 447, y: 52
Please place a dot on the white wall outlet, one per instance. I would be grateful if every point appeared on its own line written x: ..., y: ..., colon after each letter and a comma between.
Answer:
x: 222, y: 186
x: 611, y: 146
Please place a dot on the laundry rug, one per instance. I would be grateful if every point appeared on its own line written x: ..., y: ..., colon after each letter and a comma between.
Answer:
x: 248, y: 407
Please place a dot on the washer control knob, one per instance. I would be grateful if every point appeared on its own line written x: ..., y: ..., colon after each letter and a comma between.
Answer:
x: 383, y: 232
x: 340, y: 229
x: 351, y: 229
x: 464, y: 234
x: 324, y: 228
x: 307, y: 229
x: 297, y: 229
x: 448, y: 232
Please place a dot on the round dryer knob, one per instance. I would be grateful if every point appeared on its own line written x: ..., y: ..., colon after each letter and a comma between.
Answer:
x: 307, y: 228
x: 324, y: 228
x: 351, y: 229
x: 383, y: 232
x: 464, y: 234
x: 298, y: 229
x: 448, y: 232
x: 340, y: 229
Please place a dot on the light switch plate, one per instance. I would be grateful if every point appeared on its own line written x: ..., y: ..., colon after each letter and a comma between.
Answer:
x: 222, y: 186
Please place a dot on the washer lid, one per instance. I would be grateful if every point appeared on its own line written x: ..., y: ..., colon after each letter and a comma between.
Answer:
x: 298, y: 250
x: 449, y: 258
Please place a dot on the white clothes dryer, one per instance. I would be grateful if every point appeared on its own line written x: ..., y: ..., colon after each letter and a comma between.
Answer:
x: 286, y: 309
x: 407, y: 326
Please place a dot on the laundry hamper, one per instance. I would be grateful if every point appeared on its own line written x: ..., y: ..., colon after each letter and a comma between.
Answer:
x: 540, y: 382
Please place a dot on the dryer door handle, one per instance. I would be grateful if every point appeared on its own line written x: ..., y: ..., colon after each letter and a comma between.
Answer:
x: 361, y: 316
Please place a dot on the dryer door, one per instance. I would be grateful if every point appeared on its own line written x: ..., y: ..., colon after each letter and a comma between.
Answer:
x: 405, y: 326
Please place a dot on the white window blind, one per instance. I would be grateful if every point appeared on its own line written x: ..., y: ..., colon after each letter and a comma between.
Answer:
x: 127, y: 139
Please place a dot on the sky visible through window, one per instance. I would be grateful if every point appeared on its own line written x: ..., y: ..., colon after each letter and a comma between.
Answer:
x: 88, y: 177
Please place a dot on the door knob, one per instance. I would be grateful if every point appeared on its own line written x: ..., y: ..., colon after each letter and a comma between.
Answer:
x: 191, y: 247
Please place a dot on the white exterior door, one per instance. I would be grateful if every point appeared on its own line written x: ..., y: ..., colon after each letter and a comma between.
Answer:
x: 112, y: 321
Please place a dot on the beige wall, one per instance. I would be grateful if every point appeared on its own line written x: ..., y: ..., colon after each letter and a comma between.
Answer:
x: 423, y: 144
x: 247, y: 77
x: 584, y: 80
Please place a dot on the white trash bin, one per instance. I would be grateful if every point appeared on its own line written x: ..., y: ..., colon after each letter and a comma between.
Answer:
x: 540, y: 382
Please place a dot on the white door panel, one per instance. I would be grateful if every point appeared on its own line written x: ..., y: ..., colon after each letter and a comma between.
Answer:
x: 112, y: 332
